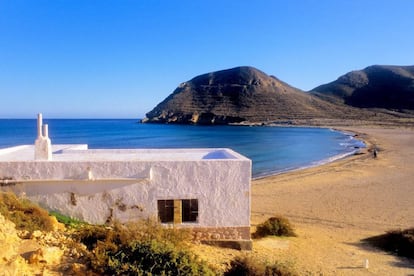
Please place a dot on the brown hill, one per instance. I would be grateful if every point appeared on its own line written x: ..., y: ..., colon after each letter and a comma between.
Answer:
x: 238, y: 95
x: 387, y: 87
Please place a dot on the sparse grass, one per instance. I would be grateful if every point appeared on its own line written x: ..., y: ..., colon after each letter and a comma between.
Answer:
x: 24, y: 214
x: 274, y: 226
x: 67, y: 221
x: 249, y: 266
x: 400, y: 242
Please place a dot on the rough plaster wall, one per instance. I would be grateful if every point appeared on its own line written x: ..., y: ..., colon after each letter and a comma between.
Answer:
x: 123, y: 204
x: 221, y: 186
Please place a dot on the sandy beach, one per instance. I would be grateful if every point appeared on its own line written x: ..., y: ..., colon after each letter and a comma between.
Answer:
x: 334, y: 206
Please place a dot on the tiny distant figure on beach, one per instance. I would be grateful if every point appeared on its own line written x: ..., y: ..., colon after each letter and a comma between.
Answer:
x: 375, y: 152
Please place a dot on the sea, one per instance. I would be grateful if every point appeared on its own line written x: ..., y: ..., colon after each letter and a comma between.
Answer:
x: 272, y: 149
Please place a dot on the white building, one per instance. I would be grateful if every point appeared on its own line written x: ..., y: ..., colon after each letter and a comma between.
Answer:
x: 207, y: 190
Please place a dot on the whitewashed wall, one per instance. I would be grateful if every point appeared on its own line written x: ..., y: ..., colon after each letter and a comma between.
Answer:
x: 221, y: 186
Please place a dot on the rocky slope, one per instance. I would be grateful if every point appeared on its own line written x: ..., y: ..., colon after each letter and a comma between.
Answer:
x: 388, y: 87
x: 248, y: 95
x: 237, y: 95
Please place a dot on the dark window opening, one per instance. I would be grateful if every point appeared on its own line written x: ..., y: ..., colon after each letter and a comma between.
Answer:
x: 189, y: 210
x: 166, y: 210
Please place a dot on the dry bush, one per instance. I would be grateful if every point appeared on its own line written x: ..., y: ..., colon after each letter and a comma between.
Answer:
x: 250, y: 266
x: 143, y: 230
x: 24, y: 214
x: 275, y: 226
x: 151, y: 229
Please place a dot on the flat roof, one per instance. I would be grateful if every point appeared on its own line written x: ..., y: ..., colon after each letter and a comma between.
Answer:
x: 82, y: 153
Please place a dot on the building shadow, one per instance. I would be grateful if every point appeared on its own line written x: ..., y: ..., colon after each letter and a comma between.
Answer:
x: 368, y: 245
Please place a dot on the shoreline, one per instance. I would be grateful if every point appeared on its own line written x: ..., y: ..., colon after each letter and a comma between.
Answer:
x: 336, y: 205
x: 313, y: 165
x: 358, y: 151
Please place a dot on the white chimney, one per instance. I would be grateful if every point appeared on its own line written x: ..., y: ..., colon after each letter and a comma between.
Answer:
x: 43, y: 145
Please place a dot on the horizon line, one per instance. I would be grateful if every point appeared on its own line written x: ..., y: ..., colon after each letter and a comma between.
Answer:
x: 72, y: 118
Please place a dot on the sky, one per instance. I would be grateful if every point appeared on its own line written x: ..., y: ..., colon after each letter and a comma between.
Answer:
x: 120, y: 58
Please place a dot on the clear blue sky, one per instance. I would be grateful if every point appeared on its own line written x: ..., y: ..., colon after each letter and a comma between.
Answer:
x: 119, y: 58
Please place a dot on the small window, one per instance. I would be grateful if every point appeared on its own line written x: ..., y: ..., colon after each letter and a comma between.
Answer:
x: 186, y: 210
x: 166, y: 210
x: 190, y: 210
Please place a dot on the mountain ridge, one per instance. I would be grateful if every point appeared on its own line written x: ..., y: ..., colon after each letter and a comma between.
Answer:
x: 247, y: 95
x: 376, y: 86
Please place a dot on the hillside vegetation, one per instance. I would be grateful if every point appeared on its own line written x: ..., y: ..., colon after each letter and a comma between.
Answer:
x: 35, y: 243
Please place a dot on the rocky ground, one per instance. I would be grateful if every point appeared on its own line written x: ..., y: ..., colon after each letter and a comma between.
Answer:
x: 38, y: 253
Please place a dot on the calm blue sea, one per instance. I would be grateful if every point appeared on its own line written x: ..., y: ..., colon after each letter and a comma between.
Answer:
x: 272, y: 149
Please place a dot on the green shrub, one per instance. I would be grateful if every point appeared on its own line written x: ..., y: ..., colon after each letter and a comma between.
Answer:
x: 274, y: 226
x: 24, y: 214
x: 154, y: 258
x: 249, y: 266
x: 400, y: 242
x: 139, y: 248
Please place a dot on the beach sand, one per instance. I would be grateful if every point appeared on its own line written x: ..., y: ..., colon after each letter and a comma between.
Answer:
x: 334, y: 206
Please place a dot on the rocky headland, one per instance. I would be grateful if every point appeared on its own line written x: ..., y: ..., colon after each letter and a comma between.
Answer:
x: 246, y: 95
